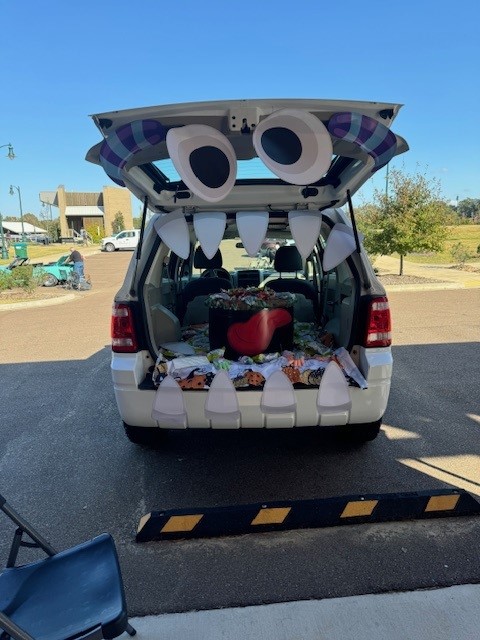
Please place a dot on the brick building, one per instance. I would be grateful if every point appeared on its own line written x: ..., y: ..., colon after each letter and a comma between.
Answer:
x: 78, y: 210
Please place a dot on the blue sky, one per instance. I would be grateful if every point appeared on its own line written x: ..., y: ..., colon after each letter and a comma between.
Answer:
x: 62, y: 61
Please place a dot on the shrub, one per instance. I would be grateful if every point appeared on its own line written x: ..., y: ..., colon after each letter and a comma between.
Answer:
x: 118, y: 223
x: 459, y: 252
x: 5, y: 280
x: 95, y: 232
x: 21, y: 278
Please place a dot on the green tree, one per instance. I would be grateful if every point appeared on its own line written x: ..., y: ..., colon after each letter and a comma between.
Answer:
x: 96, y: 232
x: 54, y: 231
x: 469, y: 208
x: 118, y: 223
x: 137, y: 222
x: 31, y: 218
x: 410, y: 217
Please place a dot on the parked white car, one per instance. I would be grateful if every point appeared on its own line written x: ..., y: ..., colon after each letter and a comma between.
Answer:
x: 127, y: 240
x: 204, y: 337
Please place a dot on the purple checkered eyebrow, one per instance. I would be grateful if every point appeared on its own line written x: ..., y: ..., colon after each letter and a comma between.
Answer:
x: 125, y: 142
x: 371, y: 136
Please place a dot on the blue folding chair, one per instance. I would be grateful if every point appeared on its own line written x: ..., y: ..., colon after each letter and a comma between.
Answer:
x: 76, y: 594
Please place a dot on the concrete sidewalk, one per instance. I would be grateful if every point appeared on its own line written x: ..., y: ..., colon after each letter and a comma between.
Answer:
x: 441, y: 614
x: 448, y: 278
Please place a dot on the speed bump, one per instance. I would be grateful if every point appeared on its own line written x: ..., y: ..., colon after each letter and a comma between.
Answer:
x: 208, y: 522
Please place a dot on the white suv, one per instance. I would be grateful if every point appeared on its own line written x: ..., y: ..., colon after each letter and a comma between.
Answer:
x: 126, y: 240
x: 207, y: 332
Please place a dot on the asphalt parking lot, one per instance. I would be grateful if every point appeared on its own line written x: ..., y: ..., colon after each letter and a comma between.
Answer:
x: 66, y: 464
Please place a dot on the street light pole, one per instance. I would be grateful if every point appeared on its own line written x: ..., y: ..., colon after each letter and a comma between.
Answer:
x: 12, y: 187
x: 10, y: 155
x: 4, y: 248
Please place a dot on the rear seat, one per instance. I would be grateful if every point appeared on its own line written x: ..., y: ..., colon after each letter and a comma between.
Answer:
x: 192, y: 308
x: 289, y: 260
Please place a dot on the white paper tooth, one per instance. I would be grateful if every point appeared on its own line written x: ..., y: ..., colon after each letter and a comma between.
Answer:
x: 252, y: 228
x: 278, y: 394
x: 173, y: 230
x: 222, y: 398
x: 333, y: 394
x: 209, y: 228
x: 340, y: 244
x: 168, y: 404
x: 305, y: 228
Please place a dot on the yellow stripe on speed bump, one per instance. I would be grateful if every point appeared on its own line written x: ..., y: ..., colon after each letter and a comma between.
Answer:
x: 442, y: 503
x: 272, y: 516
x: 181, y: 523
x: 358, y: 508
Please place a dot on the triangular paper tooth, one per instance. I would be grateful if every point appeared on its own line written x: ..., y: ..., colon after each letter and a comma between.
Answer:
x: 252, y: 228
x: 173, y: 230
x: 168, y: 404
x: 278, y: 394
x: 333, y: 394
x: 209, y: 228
x: 222, y: 398
x: 340, y: 244
x: 305, y: 228
x: 205, y: 160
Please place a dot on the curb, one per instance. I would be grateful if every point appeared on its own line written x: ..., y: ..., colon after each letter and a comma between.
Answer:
x: 304, y: 514
x: 37, y: 303
x: 425, y: 287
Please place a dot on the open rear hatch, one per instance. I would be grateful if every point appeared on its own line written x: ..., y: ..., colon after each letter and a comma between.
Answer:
x: 198, y: 165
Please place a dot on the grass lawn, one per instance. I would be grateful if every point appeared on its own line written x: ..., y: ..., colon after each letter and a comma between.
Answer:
x: 467, y: 234
x: 43, y: 253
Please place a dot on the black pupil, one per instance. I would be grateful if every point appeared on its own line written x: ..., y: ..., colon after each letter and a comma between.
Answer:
x: 211, y: 166
x: 282, y: 145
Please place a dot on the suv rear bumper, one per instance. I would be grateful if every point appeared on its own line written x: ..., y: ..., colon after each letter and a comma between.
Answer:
x: 368, y: 405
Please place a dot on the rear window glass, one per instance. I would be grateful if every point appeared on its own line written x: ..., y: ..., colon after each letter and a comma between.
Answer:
x: 246, y: 169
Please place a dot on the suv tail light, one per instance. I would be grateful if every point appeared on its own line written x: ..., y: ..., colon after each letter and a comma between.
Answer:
x: 124, y: 339
x: 379, y: 326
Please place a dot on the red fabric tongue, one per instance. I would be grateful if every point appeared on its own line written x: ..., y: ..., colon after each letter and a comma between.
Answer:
x: 253, y: 336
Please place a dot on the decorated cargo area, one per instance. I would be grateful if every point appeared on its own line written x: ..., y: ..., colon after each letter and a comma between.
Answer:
x: 300, y: 326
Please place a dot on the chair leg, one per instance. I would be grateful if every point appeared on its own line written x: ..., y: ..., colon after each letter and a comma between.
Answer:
x: 130, y: 630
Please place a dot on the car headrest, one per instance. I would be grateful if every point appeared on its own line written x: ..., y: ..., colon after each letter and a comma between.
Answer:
x: 287, y: 259
x: 200, y: 260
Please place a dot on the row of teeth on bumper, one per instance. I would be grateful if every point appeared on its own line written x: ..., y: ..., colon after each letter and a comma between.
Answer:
x: 278, y: 397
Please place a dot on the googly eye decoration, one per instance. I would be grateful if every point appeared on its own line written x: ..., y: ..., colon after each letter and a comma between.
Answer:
x: 125, y: 142
x: 370, y: 135
x: 205, y: 160
x: 295, y: 145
